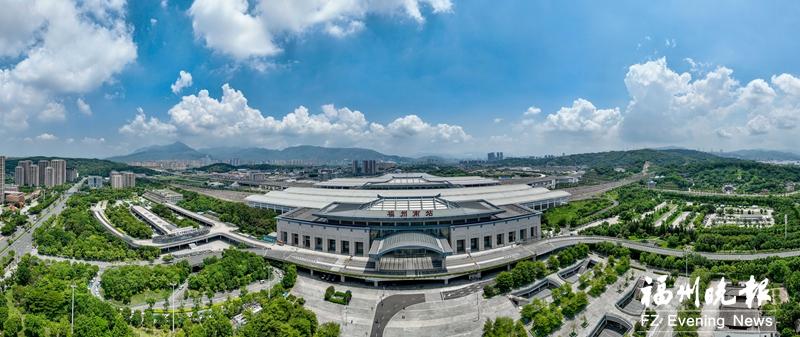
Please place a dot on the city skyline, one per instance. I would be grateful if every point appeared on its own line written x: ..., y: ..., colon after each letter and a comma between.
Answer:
x: 440, y: 77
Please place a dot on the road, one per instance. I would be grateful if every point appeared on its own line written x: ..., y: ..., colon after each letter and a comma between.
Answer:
x: 591, y: 191
x: 389, y: 307
x: 23, y: 244
x: 732, y: 195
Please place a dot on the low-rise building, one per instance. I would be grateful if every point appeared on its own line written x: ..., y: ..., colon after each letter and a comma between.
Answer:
x: 164, y: 195
x: 15, y: 198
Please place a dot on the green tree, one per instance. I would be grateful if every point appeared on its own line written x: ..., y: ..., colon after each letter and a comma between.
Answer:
x: 504, y: 282
x: 13, y: 325
x: 328, y: 329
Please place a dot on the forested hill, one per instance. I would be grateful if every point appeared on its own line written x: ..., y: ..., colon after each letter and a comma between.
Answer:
x: 631, y: 161
x: 85, y: 166
x: 181, y: 151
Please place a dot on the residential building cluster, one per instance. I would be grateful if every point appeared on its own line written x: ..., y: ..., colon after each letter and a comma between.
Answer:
x: 120, y: 180
x: 46, y: 173
x: 494, y: 156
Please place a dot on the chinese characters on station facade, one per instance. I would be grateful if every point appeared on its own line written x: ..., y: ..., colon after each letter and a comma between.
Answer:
x: 714, y: 295
x: 405, y: 214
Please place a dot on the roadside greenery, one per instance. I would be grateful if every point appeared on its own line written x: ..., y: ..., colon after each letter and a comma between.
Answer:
x: 75, y: 233
x: 338, y: 297
x: 526, y: 272
x: 503, y: 327
x: 36, y: 302
x: 167, y: 214
x: 12, y: 221
x: 122, y: 218
x: 254, y: 221
x: 235, y: 269
x: 47, y: 199
x: 121, y: 283
x: 575, y: 213
x: 546, y: 318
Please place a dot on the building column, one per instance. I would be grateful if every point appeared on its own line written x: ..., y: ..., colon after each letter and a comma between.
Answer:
x: 343, y: 279
x: 375, y: 283
x: 446, y: 281
x: 312, y: 272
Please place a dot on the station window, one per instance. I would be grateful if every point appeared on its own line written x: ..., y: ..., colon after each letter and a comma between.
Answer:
x: 295, y: 240
x: 487, y: 242
x: 306, y: 241
x: 522, y: 235
x: 331, y: 246
x: 284, y: 237
x: 359, y: 248
x: 511, y: 237
x: 345, y: 247
x: 459, y: 246
x: 317, y: 243
x: 473, y: 244
x: 499, y: 239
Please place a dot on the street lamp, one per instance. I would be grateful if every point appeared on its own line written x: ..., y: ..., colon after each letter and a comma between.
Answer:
x: 173, y: 308
x: 686, y: 258
x: 72, y: 318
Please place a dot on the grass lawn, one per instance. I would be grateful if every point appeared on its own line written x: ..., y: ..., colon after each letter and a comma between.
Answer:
x: 575, y: 212
x: 142, y: 298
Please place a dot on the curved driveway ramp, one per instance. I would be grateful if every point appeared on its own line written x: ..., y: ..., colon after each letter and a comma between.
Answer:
x: 611, y: 326
x: 389, y: 307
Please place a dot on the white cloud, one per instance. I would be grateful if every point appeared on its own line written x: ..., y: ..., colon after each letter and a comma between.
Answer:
x: 143, y: 127
x: 184, y: 80
x: 53, y: 112
x: 532, y: 111
x: 46, y: 137
x: 498, y: 120
x: 341, y: 31
x: 758, y: 125
x: 671, y: 107
x: 59, y: 48
x: 91, y: 140
x: 83, y: 107
x: 235, y: 28
x: 230, y: 120
x: 583, y: 116
x: 670, y: 43
x: 153, y: 21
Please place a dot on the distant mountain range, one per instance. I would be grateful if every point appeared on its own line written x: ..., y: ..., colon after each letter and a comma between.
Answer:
x: 626, y: 159
x: 181, y: 151
x: 762, y: 155
x: 174, y: 151
x: 631, y: 160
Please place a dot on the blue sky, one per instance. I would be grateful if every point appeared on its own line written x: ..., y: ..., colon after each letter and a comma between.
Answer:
x: 456, y: 77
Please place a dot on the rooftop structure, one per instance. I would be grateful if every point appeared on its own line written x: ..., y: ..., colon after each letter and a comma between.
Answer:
x: 406, y: 181
x: 165, y: 195
x: 536, y: 198
x: 159, y: 224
